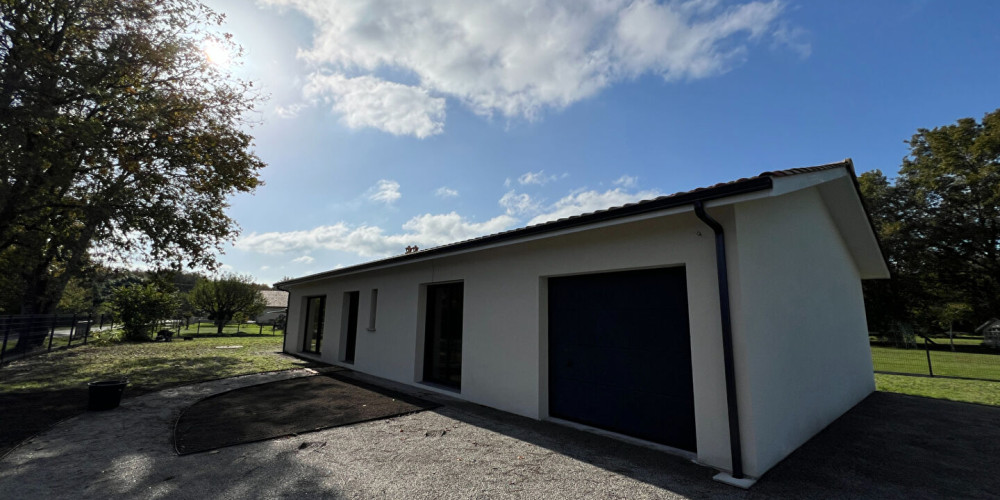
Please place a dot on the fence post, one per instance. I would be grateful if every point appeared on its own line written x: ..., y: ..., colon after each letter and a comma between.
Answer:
x: 90, y: 321
x: 927, y: 349
x: 52, y: 330
x: 3, y: 350
x: 72, y: 331
x: 260, y: 328
x: 198, y: 328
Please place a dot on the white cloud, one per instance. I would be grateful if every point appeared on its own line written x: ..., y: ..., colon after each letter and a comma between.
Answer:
x: 588, y: 201
x: 446, y: 192
x: 425, y: 231
x: 514, y: 58
x: 290, y: 111
x: 265, y: 268
x: 626, y: 181
x: 366, y: 101
x: 305, y: 259
x: 794, y: 38
x: 385, y: 191
x: 535, y: 178
x: 518, y: 204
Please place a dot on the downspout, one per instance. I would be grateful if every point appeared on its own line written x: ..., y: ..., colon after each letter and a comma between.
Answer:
x: 735, y: 447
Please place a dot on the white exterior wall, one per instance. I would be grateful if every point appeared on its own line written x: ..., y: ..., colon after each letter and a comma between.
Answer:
x: 801, y: 345
x: 504, y: 346
x: 802, y: 356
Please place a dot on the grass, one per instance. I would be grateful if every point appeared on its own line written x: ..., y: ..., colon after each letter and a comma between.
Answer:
x: 148, y: 365
x: 37, y: 392
x: 969, y: 391
x: 945, y: 363
x: 210, y: 329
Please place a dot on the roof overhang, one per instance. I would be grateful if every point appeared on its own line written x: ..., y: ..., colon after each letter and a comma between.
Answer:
x: 728, y: 193
x: 838, y: 187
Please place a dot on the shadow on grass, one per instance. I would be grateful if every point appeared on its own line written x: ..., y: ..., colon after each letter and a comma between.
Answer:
x: 214, y: 335
x: 26, y: 412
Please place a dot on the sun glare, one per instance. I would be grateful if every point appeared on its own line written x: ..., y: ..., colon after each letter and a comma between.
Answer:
x: 216, y: 53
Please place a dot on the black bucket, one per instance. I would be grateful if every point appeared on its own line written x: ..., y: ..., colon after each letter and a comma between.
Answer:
x: 106, y: 394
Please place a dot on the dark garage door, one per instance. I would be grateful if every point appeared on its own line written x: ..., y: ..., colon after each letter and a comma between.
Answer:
x: 620, y: 354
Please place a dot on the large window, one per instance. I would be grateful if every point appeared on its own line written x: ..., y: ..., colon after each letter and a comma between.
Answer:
x: 443, y: 335
x: 315, y: 313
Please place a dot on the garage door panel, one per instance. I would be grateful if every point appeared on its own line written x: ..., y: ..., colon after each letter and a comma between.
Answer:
x: 620, y: 359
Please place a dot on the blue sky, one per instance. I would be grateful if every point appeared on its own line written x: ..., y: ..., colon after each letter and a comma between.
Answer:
x: 393, y: 123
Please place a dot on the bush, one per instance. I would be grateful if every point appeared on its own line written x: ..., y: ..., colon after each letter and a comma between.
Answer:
x: 139, y: 307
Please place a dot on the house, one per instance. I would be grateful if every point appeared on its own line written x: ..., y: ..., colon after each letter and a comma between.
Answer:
x: 990, y: 332
x: 725, y: 324
x: 275, y: 305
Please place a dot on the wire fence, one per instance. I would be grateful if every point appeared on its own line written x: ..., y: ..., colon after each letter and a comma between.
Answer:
x: 960, y: 357
x: 26, y: 335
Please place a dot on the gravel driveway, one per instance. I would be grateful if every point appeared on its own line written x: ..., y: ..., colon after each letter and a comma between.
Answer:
x: 460, y: 450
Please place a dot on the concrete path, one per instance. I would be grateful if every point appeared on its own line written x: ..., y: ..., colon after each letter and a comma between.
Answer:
x: 457, y: 451
x: 889, y: 446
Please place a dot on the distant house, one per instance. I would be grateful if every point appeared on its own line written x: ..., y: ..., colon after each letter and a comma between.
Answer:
x: 990, y: 332
x: 276, y: 305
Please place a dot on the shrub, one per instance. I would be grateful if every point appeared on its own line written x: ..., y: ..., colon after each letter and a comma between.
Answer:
x: 139, y: 307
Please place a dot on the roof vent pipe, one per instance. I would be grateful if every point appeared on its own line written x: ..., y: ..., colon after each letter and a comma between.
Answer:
x: 735, y: 448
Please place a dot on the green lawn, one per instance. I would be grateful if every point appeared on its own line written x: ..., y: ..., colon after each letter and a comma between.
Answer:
x: 148, y: 365
x: 969, y: 391
x: 945, y: 363
x: 39, y: 391
x: 246, y: 328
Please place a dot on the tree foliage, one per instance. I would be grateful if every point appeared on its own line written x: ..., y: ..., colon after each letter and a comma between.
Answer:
x: 939, y: 224
x: 226, y: 297
x: 118, y: 139
x: 138, y: 307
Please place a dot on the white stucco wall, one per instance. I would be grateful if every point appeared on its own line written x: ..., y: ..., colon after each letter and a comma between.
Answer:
x: 800, y: 334
x: 802, y: 356
x: 504, y: 356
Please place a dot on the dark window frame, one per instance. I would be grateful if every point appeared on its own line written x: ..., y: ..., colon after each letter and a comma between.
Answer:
x: 320, y: 318
x: 443, y: 336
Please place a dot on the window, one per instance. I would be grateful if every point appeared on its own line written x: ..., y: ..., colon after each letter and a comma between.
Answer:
x: 443, y: 334
x: 372, y: 307
x: 315, y: 314
x: 349, y: 328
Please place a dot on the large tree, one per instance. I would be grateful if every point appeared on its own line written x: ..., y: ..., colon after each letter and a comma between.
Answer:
x: 223, y: 298
x: 119, y: 139
x: 939, y: 223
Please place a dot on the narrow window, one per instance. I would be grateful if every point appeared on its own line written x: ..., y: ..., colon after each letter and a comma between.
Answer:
x: 350, y: 326
x: 315, y: 313
x: 371, y: 310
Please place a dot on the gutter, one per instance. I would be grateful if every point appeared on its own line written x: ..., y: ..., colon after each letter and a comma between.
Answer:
x: 735, y: 445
